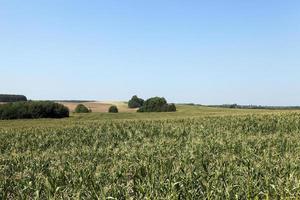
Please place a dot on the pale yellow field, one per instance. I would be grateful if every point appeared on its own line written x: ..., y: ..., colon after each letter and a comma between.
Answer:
x: 100, y: 106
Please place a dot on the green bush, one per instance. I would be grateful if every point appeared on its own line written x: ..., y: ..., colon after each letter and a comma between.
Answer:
x: 172, y: 108
x: 157, y: 104
x: 135, y: 102
x: 113, y: 109
x: 80, y: 108
x: 12, y: 98
x: 32, y: 110
x: 169, y: 108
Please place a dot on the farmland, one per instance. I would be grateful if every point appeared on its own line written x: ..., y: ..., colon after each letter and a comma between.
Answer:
x: 195, y: 153
x: 99, y: 106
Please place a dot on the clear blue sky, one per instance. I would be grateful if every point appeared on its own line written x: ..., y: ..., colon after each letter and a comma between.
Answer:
x: 209, y: 52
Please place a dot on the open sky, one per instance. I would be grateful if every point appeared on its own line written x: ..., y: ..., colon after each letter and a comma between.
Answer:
x: 209, y: 52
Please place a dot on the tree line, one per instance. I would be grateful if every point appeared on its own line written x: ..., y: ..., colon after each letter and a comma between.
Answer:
x: 236, y: 106
x: 12, y: 98
x: 33, y: 110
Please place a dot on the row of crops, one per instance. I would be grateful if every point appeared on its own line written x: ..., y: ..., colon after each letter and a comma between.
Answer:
x: 229, y: 157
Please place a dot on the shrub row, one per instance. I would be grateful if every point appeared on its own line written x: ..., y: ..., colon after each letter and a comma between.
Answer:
x: 12, y: 98
x: 32, y: 110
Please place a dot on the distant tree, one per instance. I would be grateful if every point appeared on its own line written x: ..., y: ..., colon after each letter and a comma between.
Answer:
x: 157, y: 104
x: 80, y: 108
x: 12, y: 98
x: 135, y: 102
x: 113, y: 109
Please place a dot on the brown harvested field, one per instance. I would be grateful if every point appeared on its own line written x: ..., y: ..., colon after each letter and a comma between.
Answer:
x: 99, y: 106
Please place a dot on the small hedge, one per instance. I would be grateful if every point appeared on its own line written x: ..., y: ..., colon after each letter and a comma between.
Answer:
x: 80, y: 108
x: 135, y: 102
x: 157, y: 104
x: 33, y: 110
x: 113, y: 109
x: 12, y: 98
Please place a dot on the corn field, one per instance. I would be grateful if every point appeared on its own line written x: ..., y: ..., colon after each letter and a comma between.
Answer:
x: 210, y: 157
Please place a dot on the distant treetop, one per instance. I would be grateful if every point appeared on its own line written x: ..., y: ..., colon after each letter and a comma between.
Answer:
x: 12, y: 98
x: 135, y: 102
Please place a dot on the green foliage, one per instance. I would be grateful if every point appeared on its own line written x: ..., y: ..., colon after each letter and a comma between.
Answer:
x: 80, y: 108
x: 171, y: 108
x: 12, y: 98
x: 157, y: 104
x: 135, y: 102
x: 113, y: 109
x: 33, y: 109
x: 217, y: 157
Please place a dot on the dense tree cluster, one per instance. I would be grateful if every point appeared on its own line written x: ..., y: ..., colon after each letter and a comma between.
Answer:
x: 80, y: 108
x: 157, y: 104
x: 135, y: 102
x: 33, y: 109
x: 12, y: 98
x: 113, y: 109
